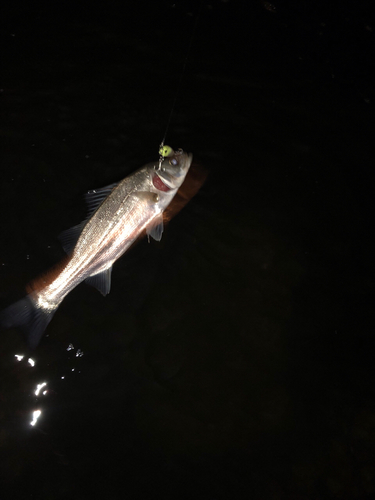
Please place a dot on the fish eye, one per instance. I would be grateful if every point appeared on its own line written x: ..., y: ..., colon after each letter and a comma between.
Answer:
x: 173, y: 162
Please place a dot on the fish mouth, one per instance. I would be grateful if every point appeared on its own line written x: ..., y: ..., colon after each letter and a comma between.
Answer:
x: 165, y: 183
x: 160, y: 184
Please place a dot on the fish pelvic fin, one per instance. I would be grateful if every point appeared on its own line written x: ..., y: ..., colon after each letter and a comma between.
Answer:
x: 29, y: 318
x: 155, y: 229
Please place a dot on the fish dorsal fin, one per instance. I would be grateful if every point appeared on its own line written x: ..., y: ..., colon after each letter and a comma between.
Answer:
x: 95, y: 197
x: 155, y: 229
x: 101, y: 281
x: 70, y: 237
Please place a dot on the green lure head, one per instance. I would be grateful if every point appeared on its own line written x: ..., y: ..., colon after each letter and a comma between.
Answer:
x: 166, y: 151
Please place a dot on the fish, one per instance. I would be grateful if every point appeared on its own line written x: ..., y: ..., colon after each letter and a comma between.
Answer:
x: 118, y: 215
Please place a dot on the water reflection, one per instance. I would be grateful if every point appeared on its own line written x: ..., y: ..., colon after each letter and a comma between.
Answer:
x: 39, y: 387
x: 36, y: 415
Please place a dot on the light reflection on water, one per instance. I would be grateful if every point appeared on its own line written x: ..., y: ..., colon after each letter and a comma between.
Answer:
x: 32, y: 397
x: 36, y: 415
x: 39, y: 387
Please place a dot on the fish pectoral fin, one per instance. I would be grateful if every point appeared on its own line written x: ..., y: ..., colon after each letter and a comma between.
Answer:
x: 101, y: 281
x: 155, y: 229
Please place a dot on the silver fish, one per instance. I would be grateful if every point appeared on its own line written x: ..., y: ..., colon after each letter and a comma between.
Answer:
x: 119, y: 213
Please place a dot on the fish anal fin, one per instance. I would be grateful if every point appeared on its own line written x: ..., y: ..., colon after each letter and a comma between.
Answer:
x: 101, y: 281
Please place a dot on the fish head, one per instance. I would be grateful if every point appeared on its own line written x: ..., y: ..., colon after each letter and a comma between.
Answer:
x: 173, y: 169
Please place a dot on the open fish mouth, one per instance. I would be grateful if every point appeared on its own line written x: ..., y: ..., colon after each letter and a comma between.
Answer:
x: 160, y: 184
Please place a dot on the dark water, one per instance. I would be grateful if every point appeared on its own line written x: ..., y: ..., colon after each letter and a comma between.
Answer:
x: 235, y: 357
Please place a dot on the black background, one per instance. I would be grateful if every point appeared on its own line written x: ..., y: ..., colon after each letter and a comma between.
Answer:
x: 235, y: 357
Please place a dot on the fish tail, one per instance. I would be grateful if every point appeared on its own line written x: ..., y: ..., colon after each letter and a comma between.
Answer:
x: 28, y: 317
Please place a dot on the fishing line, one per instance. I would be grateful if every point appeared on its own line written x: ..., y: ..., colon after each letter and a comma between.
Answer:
x: 179, y: 83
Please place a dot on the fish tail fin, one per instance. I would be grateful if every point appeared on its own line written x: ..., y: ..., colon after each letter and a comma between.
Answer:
x: 32, y: 320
